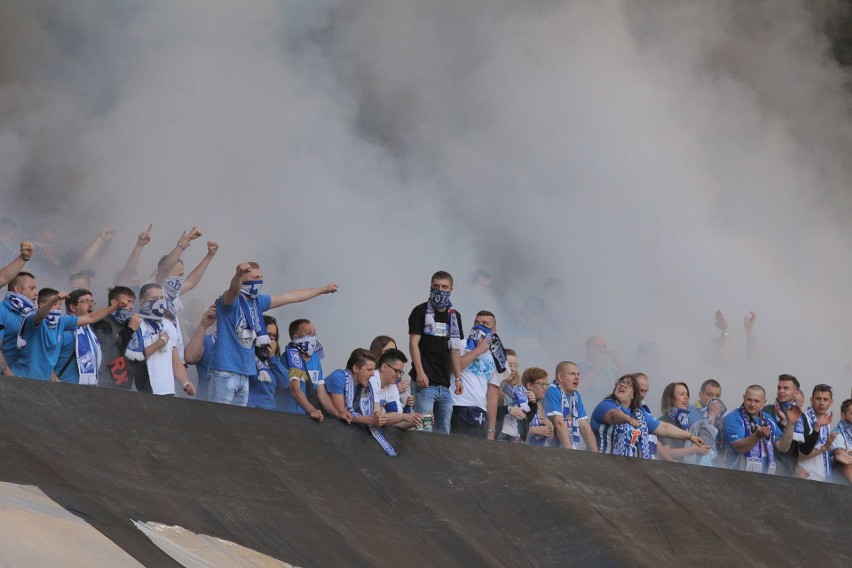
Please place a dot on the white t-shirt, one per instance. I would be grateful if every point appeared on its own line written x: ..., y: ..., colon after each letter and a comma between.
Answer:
x: 385, y: 396
x: 475, y: 379
x: 815, y: 466
x: 160, y: 369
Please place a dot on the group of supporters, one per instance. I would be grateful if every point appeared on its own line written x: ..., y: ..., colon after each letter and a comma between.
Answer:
x: 459, y: 382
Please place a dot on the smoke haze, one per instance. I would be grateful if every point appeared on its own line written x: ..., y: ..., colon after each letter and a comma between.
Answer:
x: 620, y: 168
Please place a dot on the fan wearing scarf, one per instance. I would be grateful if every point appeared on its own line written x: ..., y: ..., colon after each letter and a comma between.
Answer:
x: 303, y: 361
x: 40, y: 336
x: 152, y: 350
x: 751, y: 438
x: 434, y: 342
x: 645, y: 386
x: 623, y: 428
x: 113, y: 334
x: 18, y: 303
x: 239, y: 313
x: 482, y: 359
x: 841, y: 448
x: 816, y: 465
x: 564, y: 407
x: 540, y: 431
x: 271, y: 374
x: 353, y: 397
x: 384, y: 381
x: 170, y: 275
x: 789, y: 394
x: 675, y: 407
x: 80, y: 354
x: 710, y: 389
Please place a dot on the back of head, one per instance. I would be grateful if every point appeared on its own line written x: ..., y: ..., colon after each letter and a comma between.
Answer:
x: 45, y: 294
x: 378, y: 344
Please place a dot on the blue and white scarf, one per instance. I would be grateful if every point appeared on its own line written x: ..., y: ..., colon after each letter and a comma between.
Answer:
x: 254, y: 322
x: 845, y: 429
x: 571, y: 413
x: 495, y: 345
x: 366, y: 407
x: 652, y: 438
x: 799, y: 430
x: 264, y: 375
x: 87, y: 348
x: 19, y: 304
x: 308, y: 345
x: 680, y: 417
x: 171, y: 290
x: 824, y: 432
x: 152, y: 312
x: 765, y: 449
x: 121, y: 316
x: 441, y: 299
x: 633, y: 442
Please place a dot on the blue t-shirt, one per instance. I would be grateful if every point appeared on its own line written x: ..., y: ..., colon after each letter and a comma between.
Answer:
x: 203, y: 366
x: 38, y: 357
x: 68, y: 351
x: 535, y: 439
x: 312, y: 368
x: 557, y: 402
x: 262, y: 393
x: 233, y: 351
x: 733, y: 429
x: 11, y: 323
x: 606, y: 434
x: 335, y: 382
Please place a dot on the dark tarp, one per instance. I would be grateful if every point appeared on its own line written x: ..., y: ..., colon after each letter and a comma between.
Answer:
x: 326, y: 495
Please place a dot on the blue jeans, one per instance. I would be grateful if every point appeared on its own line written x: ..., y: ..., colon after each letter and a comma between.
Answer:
x: 227, y: 387
x: 437, y: 401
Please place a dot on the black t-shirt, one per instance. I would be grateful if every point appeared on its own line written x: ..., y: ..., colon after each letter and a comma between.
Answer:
x: 434, y: 349
x: 116, y: 371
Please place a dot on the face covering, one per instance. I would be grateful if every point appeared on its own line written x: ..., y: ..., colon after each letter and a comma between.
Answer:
x: 307, y: 344
x: 172, y: 286
x: 122, y: 315
x: 439, y: 299
x: 52, y: 320
x: 153, y: 309
x: 251, y: 288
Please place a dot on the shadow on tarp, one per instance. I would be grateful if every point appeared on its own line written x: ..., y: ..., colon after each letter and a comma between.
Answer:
x: 326, y: 495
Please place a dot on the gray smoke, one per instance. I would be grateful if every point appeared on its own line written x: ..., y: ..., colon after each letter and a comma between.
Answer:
x: 621, y: 168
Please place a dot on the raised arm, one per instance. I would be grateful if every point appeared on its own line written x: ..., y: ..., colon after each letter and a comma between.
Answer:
x: 44, y: 310
x: 8, y: 272
x: 464, y: 360
x: 132, y: 264
x: 725, y: 343
x: 97, y: 315
x: 197, y: 273
x: 752, y: 352
x: 303, y: 295
x: 93, y: 250
x: 233, y: 292
x: 666, y: 430
x: 618, y: 416
x: 194, y: 349
x: 174, y: 255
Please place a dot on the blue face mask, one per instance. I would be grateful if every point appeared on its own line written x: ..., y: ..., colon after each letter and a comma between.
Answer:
x: 153, y: 309
x: 439, y: 298
x: 122, y: 315
x: 251, y: 288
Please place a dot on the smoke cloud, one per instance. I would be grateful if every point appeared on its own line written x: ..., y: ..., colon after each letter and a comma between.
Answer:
x: 621, y: 169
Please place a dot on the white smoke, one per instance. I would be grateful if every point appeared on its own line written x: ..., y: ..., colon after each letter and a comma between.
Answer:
x: 658, y: 159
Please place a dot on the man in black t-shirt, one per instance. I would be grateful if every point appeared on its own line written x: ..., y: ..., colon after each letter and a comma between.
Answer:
x: 434, y: 340
x: 804, y: 437
x: 114, y: 333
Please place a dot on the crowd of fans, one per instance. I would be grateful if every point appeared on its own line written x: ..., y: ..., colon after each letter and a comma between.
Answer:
x: 460, y: 381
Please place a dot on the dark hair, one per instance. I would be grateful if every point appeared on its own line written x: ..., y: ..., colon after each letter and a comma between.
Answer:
x: 823, y: 388
x: 17, y: 280
x: 790, y: 378
x: 45, y: 294
x: 269, y: 320
x: 844, y: 406
x: 442, y: 275
x: 379, y: 343
x: 636, y: 401
x: 710, y: 383
x: 486, y: 314
x: 294, y: 326
x: 146, y: 287
x: 392, y: 355
x: 359, y: 357
x: 117, y: 291
x: 667, y: 400
x: 75, y: 296
x: 532, y: 375
x: 510, y: 352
